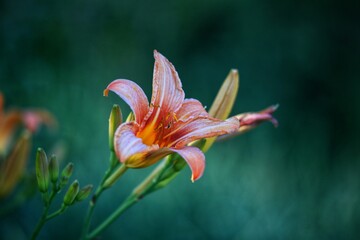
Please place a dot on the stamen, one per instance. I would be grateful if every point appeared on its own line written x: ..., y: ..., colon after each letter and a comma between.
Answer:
x: 175, y: 117
x: 158, y: 127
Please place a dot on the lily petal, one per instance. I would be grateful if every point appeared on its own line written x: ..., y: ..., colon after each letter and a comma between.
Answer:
x: 132, y: 151
x: 167, y: 95
x: 194, y: 158
x: 201, y: 127
x: 132, y: 94
x: 190, y: 108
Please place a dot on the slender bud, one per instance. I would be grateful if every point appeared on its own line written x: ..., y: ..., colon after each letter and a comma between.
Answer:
x: 42, y: 171
x: 84, y: 193
x: 71, y: 193
x: 66, y: 174
x: 225, y: 98
x: 53, y: 169
x: 115, y: 120
x: 224, y: 101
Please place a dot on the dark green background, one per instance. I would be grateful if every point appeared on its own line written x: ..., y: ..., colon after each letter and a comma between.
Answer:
x: 300, y: 181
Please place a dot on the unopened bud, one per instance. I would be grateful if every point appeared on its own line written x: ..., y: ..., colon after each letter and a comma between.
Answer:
x: 71, y: 193
x: 115, y: 120
x: 42, y: 171
x: 66, y: 174
x: 84, y: 192
x: 54, y: 169
x: 224, y: 101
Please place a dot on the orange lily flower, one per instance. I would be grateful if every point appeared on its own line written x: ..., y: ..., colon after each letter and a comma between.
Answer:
x: 166, y: 125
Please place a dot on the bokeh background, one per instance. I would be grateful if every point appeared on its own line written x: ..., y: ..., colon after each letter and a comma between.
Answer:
x: 299, y: 181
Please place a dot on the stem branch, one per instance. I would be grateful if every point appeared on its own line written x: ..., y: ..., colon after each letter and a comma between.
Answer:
x: 138, y: 193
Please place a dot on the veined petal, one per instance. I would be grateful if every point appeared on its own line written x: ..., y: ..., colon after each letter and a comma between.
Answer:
x: 194, y: 158
x: 190, y: 108
x: 201, y: 127
x: 132, y: 94
x: 168, y: 95
x: 132, y: 151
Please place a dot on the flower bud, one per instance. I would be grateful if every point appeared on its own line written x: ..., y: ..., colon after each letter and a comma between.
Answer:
x: 71, y: 193
x: 225, y: 98
x: 224, y: 101
x: 84, y: 193
x: 42, y: 171
x: 66, y: 174
x: 115, y: 120
x: 54, y: 169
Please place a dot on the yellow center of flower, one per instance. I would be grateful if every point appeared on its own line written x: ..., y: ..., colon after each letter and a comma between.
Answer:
x: 147, y: 134
x: 154, y: 132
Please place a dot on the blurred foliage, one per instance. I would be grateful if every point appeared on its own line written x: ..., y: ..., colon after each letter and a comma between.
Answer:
x: 300, y: 181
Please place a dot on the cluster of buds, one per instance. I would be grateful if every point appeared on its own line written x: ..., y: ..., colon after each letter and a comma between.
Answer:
x: 48, y: 172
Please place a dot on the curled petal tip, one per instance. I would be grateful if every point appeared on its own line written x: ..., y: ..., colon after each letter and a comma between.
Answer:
x: 274, y: 107
x: 270, y: 110
x: 106, y: 92
x: 156, y: 53
x: 274, y: 122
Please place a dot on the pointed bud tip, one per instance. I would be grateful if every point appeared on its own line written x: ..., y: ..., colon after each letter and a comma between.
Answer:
x: 84, y: 192
x: 234, y: 71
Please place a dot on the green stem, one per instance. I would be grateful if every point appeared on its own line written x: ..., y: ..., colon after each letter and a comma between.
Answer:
x: 139, y: 192
x: 98, y: 193
x: 115, y: 176
x: 40, y: 224
x: 56, y: 213
x: 43, y: 218
x: 132, y: 199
